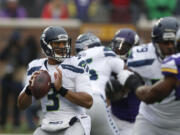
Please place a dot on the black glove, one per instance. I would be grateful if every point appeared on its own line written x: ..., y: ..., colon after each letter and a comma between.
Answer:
x: 134, y: 81
x: 114, y: 90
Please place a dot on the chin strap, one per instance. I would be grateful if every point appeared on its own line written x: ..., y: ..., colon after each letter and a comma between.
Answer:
x: 158, y: 51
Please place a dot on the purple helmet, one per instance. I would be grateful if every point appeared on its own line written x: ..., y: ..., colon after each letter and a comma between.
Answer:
x: 124, y: 40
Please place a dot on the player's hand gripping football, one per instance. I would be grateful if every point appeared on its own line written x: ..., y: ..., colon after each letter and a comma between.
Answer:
x: 40, y: 84
x: 31, y: 81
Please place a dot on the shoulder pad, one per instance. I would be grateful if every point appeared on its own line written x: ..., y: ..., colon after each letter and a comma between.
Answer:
x: 37, y: 62
x: 35, y: 65
x: 108, y: 52
x: 171, y: 65
x: 75, y: 64
x: 143, y: 53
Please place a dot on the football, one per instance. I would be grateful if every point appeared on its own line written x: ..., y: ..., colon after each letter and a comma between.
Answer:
x: 41, y: 85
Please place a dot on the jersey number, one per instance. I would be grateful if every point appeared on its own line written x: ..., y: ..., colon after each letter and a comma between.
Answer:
x: 92, y: 72
x: 55, y: 99
x: 145, y: 49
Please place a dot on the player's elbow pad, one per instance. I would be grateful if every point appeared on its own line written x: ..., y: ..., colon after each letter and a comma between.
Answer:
x: 133, y: 81
x: 112, y: 86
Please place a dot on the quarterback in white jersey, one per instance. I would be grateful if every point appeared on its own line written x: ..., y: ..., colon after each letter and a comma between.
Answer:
x: 102, y: 61
x: 158, y: 114
x: 64, y: 106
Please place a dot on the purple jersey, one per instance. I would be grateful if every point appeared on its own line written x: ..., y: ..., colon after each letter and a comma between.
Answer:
x: 126, y: 108
x: 144, y: 61
x: 171, y: 67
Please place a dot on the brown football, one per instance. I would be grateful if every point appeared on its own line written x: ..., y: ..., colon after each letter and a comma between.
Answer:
x: 41, y: 85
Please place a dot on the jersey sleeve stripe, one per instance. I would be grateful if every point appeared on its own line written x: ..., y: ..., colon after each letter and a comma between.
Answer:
x: 109, y: 54
x: 33, y: 69
x: 169, y: 70
x: 72, y: 68
x: 140, y: 63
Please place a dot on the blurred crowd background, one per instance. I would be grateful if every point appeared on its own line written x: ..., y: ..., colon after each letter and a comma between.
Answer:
x: 119, y: 11
x: 21, y: 24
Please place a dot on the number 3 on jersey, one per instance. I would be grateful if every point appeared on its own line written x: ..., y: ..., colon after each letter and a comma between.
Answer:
x: 53, y: 97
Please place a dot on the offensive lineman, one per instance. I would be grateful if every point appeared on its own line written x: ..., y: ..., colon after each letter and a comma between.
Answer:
x: 158, y: 115
x: 102, y: 61
x: 64, y: 106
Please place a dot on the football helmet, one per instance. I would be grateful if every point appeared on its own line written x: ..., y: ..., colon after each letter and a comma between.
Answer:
x: 164, y: 31
x: 123, y: 41
x: 55, y: 34
x: 85, y: 41
x: 178, y: 40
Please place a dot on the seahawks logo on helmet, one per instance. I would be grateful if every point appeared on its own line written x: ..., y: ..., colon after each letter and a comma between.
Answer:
x: 55, y: 34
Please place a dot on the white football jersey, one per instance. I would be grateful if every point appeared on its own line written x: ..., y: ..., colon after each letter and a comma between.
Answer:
x: 102, y: 61
x: 75, y: 78
x: 144, y: 60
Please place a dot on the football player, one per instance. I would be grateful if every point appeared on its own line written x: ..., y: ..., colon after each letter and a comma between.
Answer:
x: 102, y: 61
x: 64, y: 106
x: 124, y: 39
x: 125, y: 110
x: 178, y: 40
x: 159, y: 111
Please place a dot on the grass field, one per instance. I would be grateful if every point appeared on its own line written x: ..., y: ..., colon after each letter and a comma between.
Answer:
x: 10, y: 130
x: 23, y: 129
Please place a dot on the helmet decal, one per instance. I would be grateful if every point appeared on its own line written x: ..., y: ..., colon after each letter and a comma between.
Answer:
x: 55, y: 34
x: 164, y: 31
x: 85, y: 41
x: 123, y: 41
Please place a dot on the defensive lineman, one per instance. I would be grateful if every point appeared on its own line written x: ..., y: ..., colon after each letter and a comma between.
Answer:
x: 125, y: 110
x: 160, y: 117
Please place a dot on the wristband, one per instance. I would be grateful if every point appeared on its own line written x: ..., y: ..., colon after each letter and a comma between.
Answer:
x: 28, y: 91
x: 63, y: 91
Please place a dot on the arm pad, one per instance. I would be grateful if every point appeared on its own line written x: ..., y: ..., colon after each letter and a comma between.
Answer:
x: 133, y: 81
x: 113, y: 87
